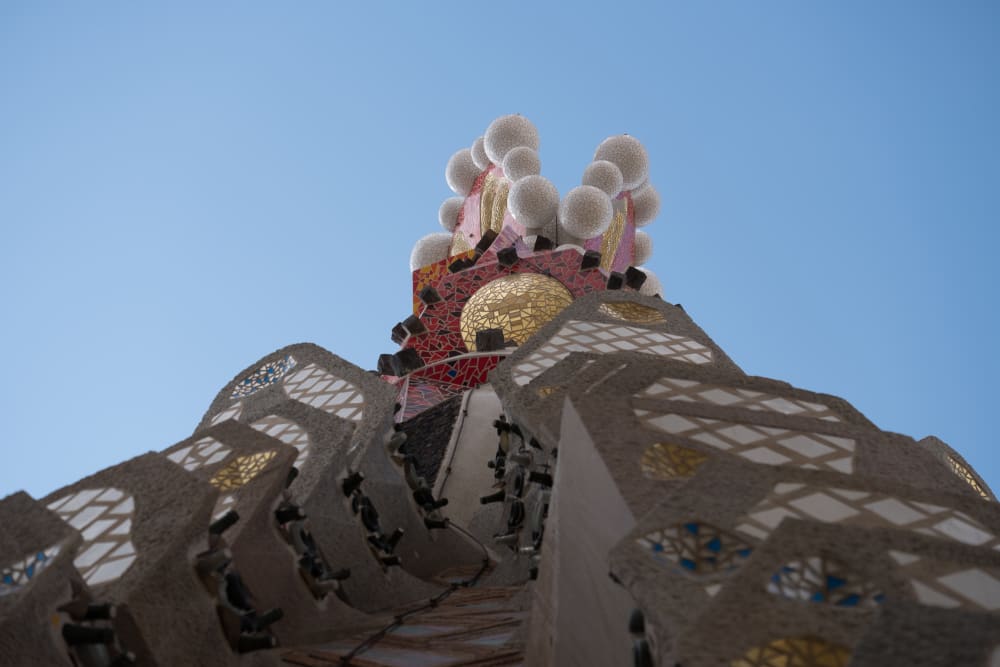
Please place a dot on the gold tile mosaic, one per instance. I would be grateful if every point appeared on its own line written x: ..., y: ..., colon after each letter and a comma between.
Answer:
x: 967, y: 475
x: 241, y: 471
x: 520, y: 305
x: 669, y: 461
x: 627, y: 311
x: 796, y: 652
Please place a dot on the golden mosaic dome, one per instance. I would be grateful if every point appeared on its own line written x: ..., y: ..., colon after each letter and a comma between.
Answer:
x: 520, y: 305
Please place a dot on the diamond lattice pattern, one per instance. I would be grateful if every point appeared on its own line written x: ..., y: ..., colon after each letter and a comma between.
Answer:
x: 204, y: 452
x: 16, y: 575
x: 939, y: 583
x: 316, y: 387
x: 677, y: 389
x: 104, y: 518
x: 288, y: 432
x: 847, y: 506
x: 760, y: 444
x: 578, y: 336
x: 698, y: 548
x: 264, y: 376
x: 825, y: 580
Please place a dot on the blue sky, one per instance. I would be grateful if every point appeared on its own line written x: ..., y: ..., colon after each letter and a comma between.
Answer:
x: 188, y: 186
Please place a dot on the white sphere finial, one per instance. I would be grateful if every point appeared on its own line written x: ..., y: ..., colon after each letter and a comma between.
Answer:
x: 533, y: 201
x: 448, y: 213
x: 645, y: 204
x: 507, y: 133
x: 585, y: 212
x: 461, y: 172
x: 431, y: 248
x: 605, y: 176
x: 628, y: 155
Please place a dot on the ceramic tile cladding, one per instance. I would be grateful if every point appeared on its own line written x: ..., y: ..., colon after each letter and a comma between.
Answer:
x: 669, y: 461
x: 443, y: 319
x: 16, y: 575
x: 635, y: 313
x: 824, y: 580
x: 241, y: 471
x: 967, y: 475
x: 795, y: 652
x: 427, y: 437
x: 320, y: 389
x: 204, y: 452
x: 519, y: 304
x: 698, y: 548
x: 835, y: 505
x: 950, y: 585
x: 288, y: 432
x: 264, y: 376
x: 104, y: 518
x: 431, y: 274
x: 677, y: 389
x: 760, y: 444
x: 579, y: 336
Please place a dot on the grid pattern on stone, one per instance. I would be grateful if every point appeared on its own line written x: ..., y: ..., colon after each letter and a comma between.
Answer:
x: 241, y: 470
x: 104, y: 518
x: 519, y: 304
x: 795, y: 652
x: 950, y: 585
x: 677, y: 389
x: 16, y: 575
x: 669, y: 461
x: 760, y: 444
x: 967, y: 475
x: 698, y: 548
x: 204, y: 452
x: 861, y: 508
x: 628, y: 311
x: 825, y: 580
x: 264, y: 376
x: 232, y: 412
x: 288, y: 432
x: 316, y: 387
x: 579, y: 336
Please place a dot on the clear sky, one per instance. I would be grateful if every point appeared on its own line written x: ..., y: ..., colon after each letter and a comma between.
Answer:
x: 186, y: 187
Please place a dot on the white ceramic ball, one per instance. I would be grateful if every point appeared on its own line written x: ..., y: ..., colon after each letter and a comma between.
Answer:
x: 479, y: 154
x: 448, y: 213
x: 605, y: 176
x: 628, y: 155
x: 652, y: 286
x: 567, y: 246
x: 645, y: 204
x: 506, y: 133
x: 533, y: 201
x: 520, y: 162
x: 432, y: 248
x: 642, y: 248
x: 461, y: 172
x: 585, y: 212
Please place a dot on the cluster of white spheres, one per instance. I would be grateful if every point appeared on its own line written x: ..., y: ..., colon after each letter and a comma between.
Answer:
x: 448, y: 213
x: 585, y: 212
x: 507, y: 133
x: 431, y: 248
x: 628, y: 155
x: 642, y: 247
x: 461, y: 172
x: 511, y: 142
x: 605, y: 176
x: 652, y: 286
x: 533, y: 201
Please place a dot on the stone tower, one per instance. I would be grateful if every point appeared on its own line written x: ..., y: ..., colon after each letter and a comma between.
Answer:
x: 556, y: 467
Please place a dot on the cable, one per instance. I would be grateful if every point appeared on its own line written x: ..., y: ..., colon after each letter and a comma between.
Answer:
x: 430, y: 604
